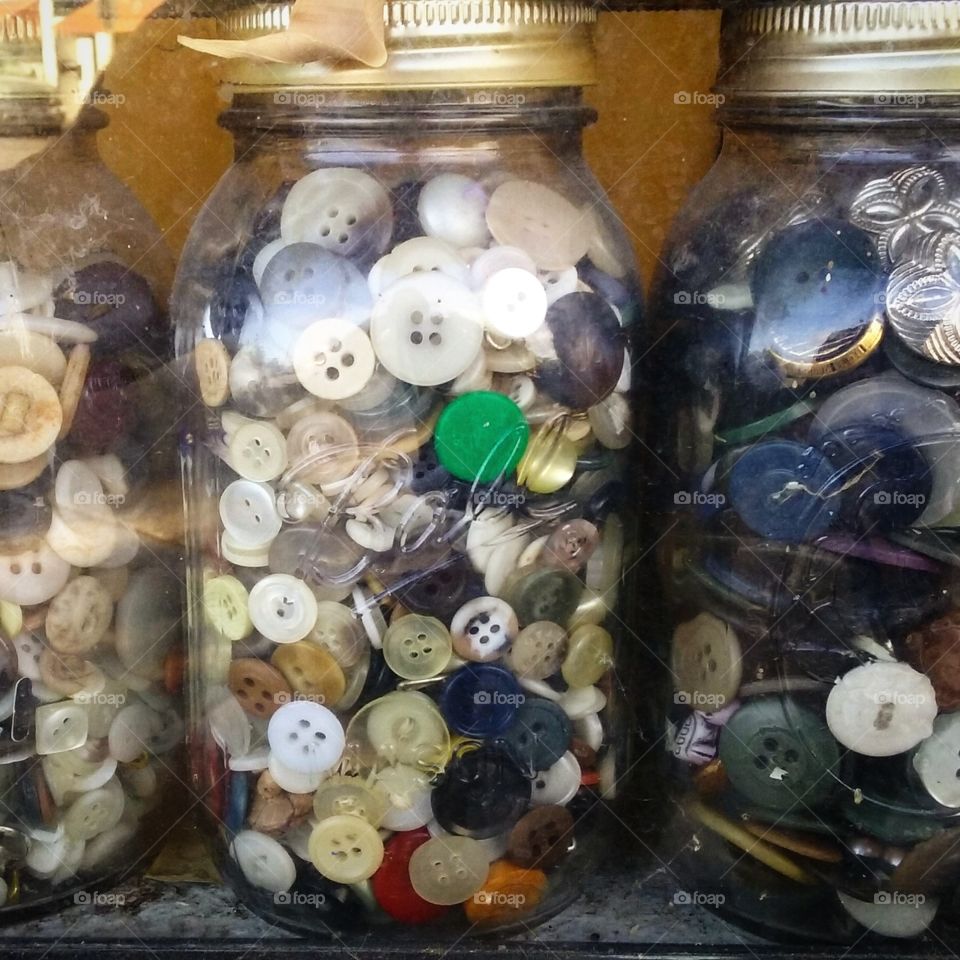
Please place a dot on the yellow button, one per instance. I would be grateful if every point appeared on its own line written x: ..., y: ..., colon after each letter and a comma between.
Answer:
x: 311, y: 671
x: 417, y: 647
x: 345, y: 849
x: 30, y: 415
x: 225, y: 607
x: 549, y: 461
x: 589, y: 656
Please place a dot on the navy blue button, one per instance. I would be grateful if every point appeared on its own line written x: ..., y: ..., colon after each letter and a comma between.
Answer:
x: 480, y: 700
x: 427, y: 471
x: 380, y: 681
x: 887, y: 481
x: 482, y: 793
x: 783, y: 490
x: 235, y: 299
x: 816, y: 286
x: 928, y: 373
x: 626, y: 297
x: 540, y: 734
x: 442, y: 590
x: 238, y: 799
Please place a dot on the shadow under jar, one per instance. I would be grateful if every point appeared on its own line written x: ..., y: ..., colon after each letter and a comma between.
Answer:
x: 408, y: 312
x: 806, y: 428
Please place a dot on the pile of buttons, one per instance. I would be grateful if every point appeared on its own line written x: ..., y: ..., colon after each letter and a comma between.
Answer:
x: 416, y: 402
x: 89, y: 616
x: 817, y: 653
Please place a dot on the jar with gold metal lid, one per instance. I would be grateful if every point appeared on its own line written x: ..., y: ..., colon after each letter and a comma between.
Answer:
x: 805, y: 477
x: 408, y: 311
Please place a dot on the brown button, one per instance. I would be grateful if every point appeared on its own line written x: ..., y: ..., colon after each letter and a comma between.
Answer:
x: 931, y: 866
x: 311, y: 671
x: 571, y: 545
x: 71, y: 390
x: 212, y: 362
x: 541, y: 838
x: 270, y: 814
x: 69, y: 674
x: 259, y: 688
x: 934, y: 649
x: 585, y: 754
x: 267, y: 787
x: 79, y: 616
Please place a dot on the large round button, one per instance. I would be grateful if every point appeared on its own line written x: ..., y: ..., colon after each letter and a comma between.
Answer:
x: 881, y: 709
x: 539, y: 735
x: 30, y: 415
x: 778, y: 754
x: 263, y: 861
x: 392, y: 885
x: 706, y: 663
x: 306, y: 737
x: 481, y: 436
x: 79, y: 616
x: 589, y: 656
x: 282, y: 608
x: 483, y: 628
x: 311, y: 671
x: 416, y: 647
x: 257, y: 686
x: 333, y: 359
x: 538, y: 651
x: 249, y: 514
x: 426, y: 329
x: 481, y: 700
x: 541, y: 838
x: 448, y: 870
x: 258, y: 452
x: 543, y: 594
x: 345, y: 849
x: 453, y: 207
x: 403, y: 727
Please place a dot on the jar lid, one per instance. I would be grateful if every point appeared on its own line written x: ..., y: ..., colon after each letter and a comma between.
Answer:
x: 886, y: 49
x: 429, y: 44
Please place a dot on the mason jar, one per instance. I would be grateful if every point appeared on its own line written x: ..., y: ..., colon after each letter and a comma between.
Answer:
x: 804, y: 482
x: 408, y: 308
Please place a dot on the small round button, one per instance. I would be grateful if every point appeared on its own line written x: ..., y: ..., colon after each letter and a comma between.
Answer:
x: 263, y: 861
x: 508, y: 893
x: 881, y: 709
x: 483, y: 628
x: 249, y: 514
x: 448, y: 870
x: 778, y: 754
x: 543, y: 594
x: 311, y: 671
x: 539, y: 735
x: 322, y: 448
x: 453, y: 207
x: 589, y: 656
x: 514, y: 303
x: 392, y: 886
x: 257, y: 686
x: 416, y: 647
x: 571, y: 545
x: 345, y: 849
x: 333, y: 359
x: 225, y: 607
x: 282, y: 608
x: 306, y: 737
x: 339, y: 633
x: 212, y: 362
x: 258, y: 452
x: 94, y: 812
x: 538, y: 651
x: 706, y: 663
x: 79, y: 616
x: 541, y: 838
x: 30, y: 415
x: 480, y: 700
x: 557, y: 784
x: 353, y: 796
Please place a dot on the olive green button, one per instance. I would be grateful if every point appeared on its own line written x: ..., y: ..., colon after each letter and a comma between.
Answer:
x: 543, y: 594
x: 589, y: 656
x: 417, y: 647
x: 225, y: 607
x: 481, y: 436
x: 778, y: 754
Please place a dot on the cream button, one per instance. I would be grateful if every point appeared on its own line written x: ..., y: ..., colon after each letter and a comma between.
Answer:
x: 419, y: 255
x: 891, y: 919
x: 538, y: 650
x: 601, y: 248
x: 229, y: 725
x: 448, y: 870
x: 94, y: 812
x: 404, y: 727
x: 241, y: 556
x: 611, y: 421
x: 264, y: 256
x: 249, y: 514
x: 496, y: 259
x: 263, y: 861
x: 306, y: 737
x: 34, y: 351
x: 132, y: 732
x: 68, y: 675
x: 557, y: 784
x: 30, y: 415
x: 504, y: 559
x: 20, y: 290
x: 109, y: 848
x: 282, y: 608
x: 520, y: 389
x: 211, y: 361
x: 514, y: 303
x: 453, y: 207
x: 417, y: 647
x: 79, y: 616
x: 346, y: 795
x: 577, y: 702
x: 333, y: 359
x: 706, y: 662
x: 60, y: 727
x: 83, y: 540
x: 323, y: 448
x: 371, y: 533
x: 225, y: 607
x: 345, y: 849
x: 937, y: 761
x: 32, y: 576
x: 483, y: 628
x: 339, y: 633
x: 29, y: 649
x: 258, y: 452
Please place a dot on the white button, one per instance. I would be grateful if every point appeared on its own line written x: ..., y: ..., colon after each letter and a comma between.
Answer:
x: 453, y: 207
x: 74, y: 772
x: 258, y: 452
x: 65, y: 331
x: 83, y: 541
x: 94, y: 812
x: 249, y: 514
x: 263, y: 861
x: 538, y: 688
x: 266, y: 254
x: 33, y: 576
x: 419, y: 255
x: 937, y: 761
x: 558, y: 283
x: 344, y: 210
x: 520, y: 389
x: 283, y: 608
x: 426, y: 329
x: 514, y: 303
x: 241, y: 556
x: 373, y: 620
x: 370, y: 533
x: 496, y: 259
x: 323, y: 448
x: 294, y: 781
x: 60, y: 726
x: 147, y: 621
x: 486, y: 533
x: 345, y: 849
x: 557, y: 784
x: 29, y: 649
x: 21, y: 291
x: 409, y: 792
x: 890, y: 918
x: 255, y: 761
x: 229, y: 725
x: 881, y: 709
x: 579, y: 702
x: 333, y: 359
x: 483, y: 628
x: 611, y: 421
x: 306, y: 736
x: 132, y: 732
x: 475, y: 377
x: 590, y: 730
x: 495, y: 848
x: 47, y: 857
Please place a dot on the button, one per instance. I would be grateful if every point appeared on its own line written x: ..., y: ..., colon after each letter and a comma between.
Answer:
x: 311, y: 671
x: 30, y: 415
x: 571, y: 545
x: 589, y: 656
x: 341, y: 209
x: 417, y: 647
x: 294, y: 781
x: 20, y: 290
x: 535, y: 218
x: 482, y: 628
x: 706, y: 663
x: 346, y: 849
x: 29, y: 649
x: 261, y: 385
x: 392, y: 885
x: 343, y: 795
x: 409, y: 791
x: 225, y: 608
x: 258, y: 452
x: 322, y: 448
x: 35, y: 352
x: 558, y: 283
x: 538, y: 650
x: 937, y: 761
x: 481, y: 436
x: 68, y: 675
x: 453, y: 207
x: 778, y: 754
x: 263, y: 861
x: 448, y: 870
x: 147, y: 620
x: 306, y: 737
x: 326, y: 559
x: 333, y: 359
x: 930, y: 867
x: 612, y: 421
x: 889, y: 917
x: 79, y: 616
x: 417, y: 255
x: 507, y: 894
x: 539, y: 735
x: 282, y: 608
x: 542, y: 837
x: 403, y: 727
x: 881, y: 709
x: 543, y: 594
x: 577, y: 702
x: 249, y: 514
x: 60, y: 727
x: 339, y: 633
x: 240, y: 556
x: 426, y: 329
x: 259, y: 688
x: 514, y: 303
x: 934, y: 649
x: 481, y: 700
x: 32, y: 576
x: 503, y: 562
x: 212, y: 363
x: 229, y: 726
x: 559, y: 783
x: 95, y: 812
x: 131, y: 732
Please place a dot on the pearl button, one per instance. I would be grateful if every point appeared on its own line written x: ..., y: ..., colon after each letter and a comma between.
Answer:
x: 453, y: 207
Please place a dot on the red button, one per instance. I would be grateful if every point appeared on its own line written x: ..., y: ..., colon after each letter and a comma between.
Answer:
x: 391, y: 883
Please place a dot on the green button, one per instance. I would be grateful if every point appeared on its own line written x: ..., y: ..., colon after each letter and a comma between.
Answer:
x: 889, y: 824
x: 481, y: 436
x: 543, y: 594
x: 778, y: 754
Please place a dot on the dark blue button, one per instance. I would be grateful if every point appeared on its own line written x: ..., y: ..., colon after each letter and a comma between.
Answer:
x: 482, y: 793
x: 235, y: 299
x: 427, y: 471
x: 783, y: 490
x: 540, y: 734
x: 626, y: 297
x: 816, y: 286
x: 480, y: 701
x: 380, y: 681
x: 238, y: 799
x: 443, y: 589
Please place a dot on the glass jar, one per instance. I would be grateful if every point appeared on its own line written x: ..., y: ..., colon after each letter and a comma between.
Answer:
x: 89, y: 583
x: 407, y: 312
x: 805, y: 433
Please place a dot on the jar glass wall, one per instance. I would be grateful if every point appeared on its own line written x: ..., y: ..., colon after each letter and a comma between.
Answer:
x: 408, y: 317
